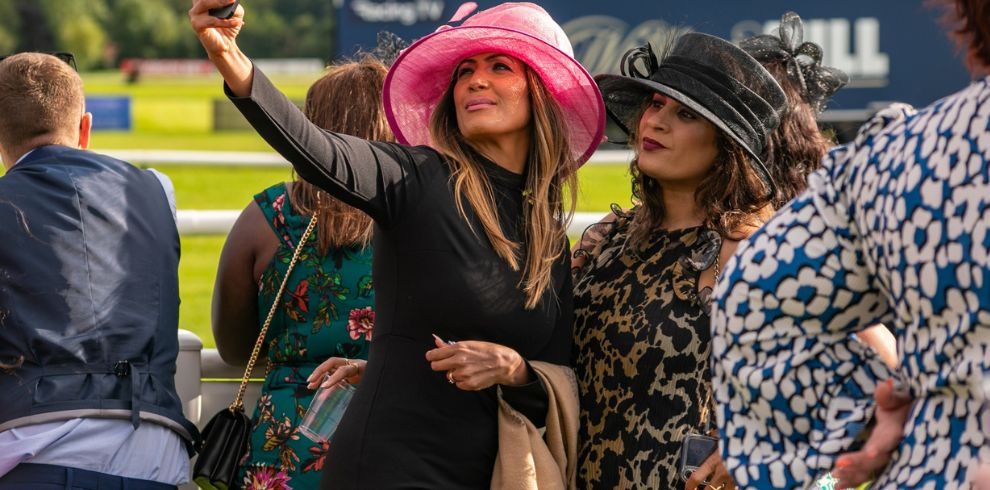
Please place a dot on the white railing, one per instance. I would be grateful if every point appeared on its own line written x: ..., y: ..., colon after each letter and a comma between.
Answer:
x: 205, y: 383
x: 219, y: 222
x: 206, y: 222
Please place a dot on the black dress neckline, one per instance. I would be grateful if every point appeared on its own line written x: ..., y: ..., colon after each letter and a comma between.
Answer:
x: 499, y: 175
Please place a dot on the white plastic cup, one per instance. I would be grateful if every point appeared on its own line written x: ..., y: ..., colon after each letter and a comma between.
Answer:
x: 325, y: 411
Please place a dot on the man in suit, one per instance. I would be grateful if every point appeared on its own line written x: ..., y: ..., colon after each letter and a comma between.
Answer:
x: 88, y: 299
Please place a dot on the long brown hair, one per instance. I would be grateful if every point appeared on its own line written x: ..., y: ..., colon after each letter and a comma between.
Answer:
x: 968, y: 22
x: 549, y: 174
x: 795, y: 149
x: 348, y: 100
x: 732, y: 196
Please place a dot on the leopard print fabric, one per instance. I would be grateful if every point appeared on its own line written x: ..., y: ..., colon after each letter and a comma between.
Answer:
x: 642, y: 344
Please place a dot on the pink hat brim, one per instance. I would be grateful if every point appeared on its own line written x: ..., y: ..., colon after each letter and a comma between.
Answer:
x: 423, y: 71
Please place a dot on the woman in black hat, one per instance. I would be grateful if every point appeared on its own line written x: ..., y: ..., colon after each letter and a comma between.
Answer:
x: 698, y: 119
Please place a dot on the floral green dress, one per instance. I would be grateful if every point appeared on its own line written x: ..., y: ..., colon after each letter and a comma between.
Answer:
x: 326, y: 311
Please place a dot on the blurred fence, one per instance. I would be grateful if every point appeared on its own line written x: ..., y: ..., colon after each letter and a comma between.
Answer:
x: 271, y: 159
x: 219, y: 222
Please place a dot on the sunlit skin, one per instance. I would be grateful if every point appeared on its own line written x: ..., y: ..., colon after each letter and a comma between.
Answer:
x: 676, y: 146
x: 491, y: 97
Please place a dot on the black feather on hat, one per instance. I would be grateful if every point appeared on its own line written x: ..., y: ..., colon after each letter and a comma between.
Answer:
x: 389, y: 46
x: 802, y: 59
x: 709, y: 75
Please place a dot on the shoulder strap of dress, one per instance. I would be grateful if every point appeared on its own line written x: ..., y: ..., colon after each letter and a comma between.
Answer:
x: 276, y: 206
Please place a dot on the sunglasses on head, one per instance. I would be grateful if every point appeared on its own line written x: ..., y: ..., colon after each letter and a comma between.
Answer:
x: 68, y: 58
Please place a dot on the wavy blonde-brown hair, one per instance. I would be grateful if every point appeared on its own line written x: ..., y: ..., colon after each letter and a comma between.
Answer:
x: 549, y: 176
x: 348, y: 100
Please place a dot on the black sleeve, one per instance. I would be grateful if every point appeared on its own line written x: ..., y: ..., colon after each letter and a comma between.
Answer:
x: 374, y: 177
x: 531, y: 399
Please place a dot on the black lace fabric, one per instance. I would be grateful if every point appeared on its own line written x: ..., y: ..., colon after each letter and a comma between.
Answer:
x: 389, y: 47
x: 803, y: 60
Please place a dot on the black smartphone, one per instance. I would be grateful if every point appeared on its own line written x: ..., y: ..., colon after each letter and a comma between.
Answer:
x: 225, y: 12
x: 695, y: 449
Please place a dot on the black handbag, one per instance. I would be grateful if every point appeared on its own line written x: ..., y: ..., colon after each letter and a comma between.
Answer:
x: 225, y: 440
x: 226, y: 436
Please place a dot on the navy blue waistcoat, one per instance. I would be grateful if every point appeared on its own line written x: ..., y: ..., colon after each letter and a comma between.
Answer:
x: 89, y: 293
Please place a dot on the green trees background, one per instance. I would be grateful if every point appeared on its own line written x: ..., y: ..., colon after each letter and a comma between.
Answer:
x: 102, y: 32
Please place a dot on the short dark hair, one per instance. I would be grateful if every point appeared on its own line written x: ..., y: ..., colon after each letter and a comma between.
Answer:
x: 39, y: 95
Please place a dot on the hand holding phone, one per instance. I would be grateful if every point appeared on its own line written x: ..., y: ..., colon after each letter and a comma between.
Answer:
x: 695, y: 449
x: 225, y: 12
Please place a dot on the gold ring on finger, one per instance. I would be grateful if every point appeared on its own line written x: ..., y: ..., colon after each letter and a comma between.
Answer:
x: 450, y: 377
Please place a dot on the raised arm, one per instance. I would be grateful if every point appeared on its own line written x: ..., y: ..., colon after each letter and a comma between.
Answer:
x: 218, y: 37
x: 371, y: 176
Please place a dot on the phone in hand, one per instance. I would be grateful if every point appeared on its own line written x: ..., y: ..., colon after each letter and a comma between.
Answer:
x: 695, y: 449
x: 224, y: 12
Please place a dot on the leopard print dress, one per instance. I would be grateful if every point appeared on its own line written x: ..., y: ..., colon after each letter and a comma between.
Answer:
x: 642, y: 345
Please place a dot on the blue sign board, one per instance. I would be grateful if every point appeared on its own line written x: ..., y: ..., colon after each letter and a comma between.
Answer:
x: 893, y: 50
x: 110, y: 113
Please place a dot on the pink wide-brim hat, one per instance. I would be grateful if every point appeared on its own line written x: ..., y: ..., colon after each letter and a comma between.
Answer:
x: 424, y: 70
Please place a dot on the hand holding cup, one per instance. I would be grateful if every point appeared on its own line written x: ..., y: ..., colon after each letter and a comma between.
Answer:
x: 336, y: 370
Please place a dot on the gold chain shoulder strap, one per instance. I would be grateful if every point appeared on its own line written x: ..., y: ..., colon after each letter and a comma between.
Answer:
x: 238, y: 403
x: 706, y: 413
x: 718, y: 270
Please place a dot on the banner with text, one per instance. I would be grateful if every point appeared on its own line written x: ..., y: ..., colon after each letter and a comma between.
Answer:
x: 891, y: 49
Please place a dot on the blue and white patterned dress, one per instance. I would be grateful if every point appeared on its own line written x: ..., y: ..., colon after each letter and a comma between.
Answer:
x: 894, y: 229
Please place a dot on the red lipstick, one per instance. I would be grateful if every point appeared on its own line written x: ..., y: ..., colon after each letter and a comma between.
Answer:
x: 649, y: 144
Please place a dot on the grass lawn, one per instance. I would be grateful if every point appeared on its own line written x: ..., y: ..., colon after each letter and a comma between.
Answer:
x: 176, y: 114
x: 163, y: 140
x: 197, y: 271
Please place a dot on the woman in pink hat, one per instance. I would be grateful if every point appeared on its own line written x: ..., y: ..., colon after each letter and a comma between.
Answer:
x: 470, y: 216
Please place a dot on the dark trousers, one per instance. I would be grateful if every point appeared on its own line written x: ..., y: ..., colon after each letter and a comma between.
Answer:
x: 29, y: 476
